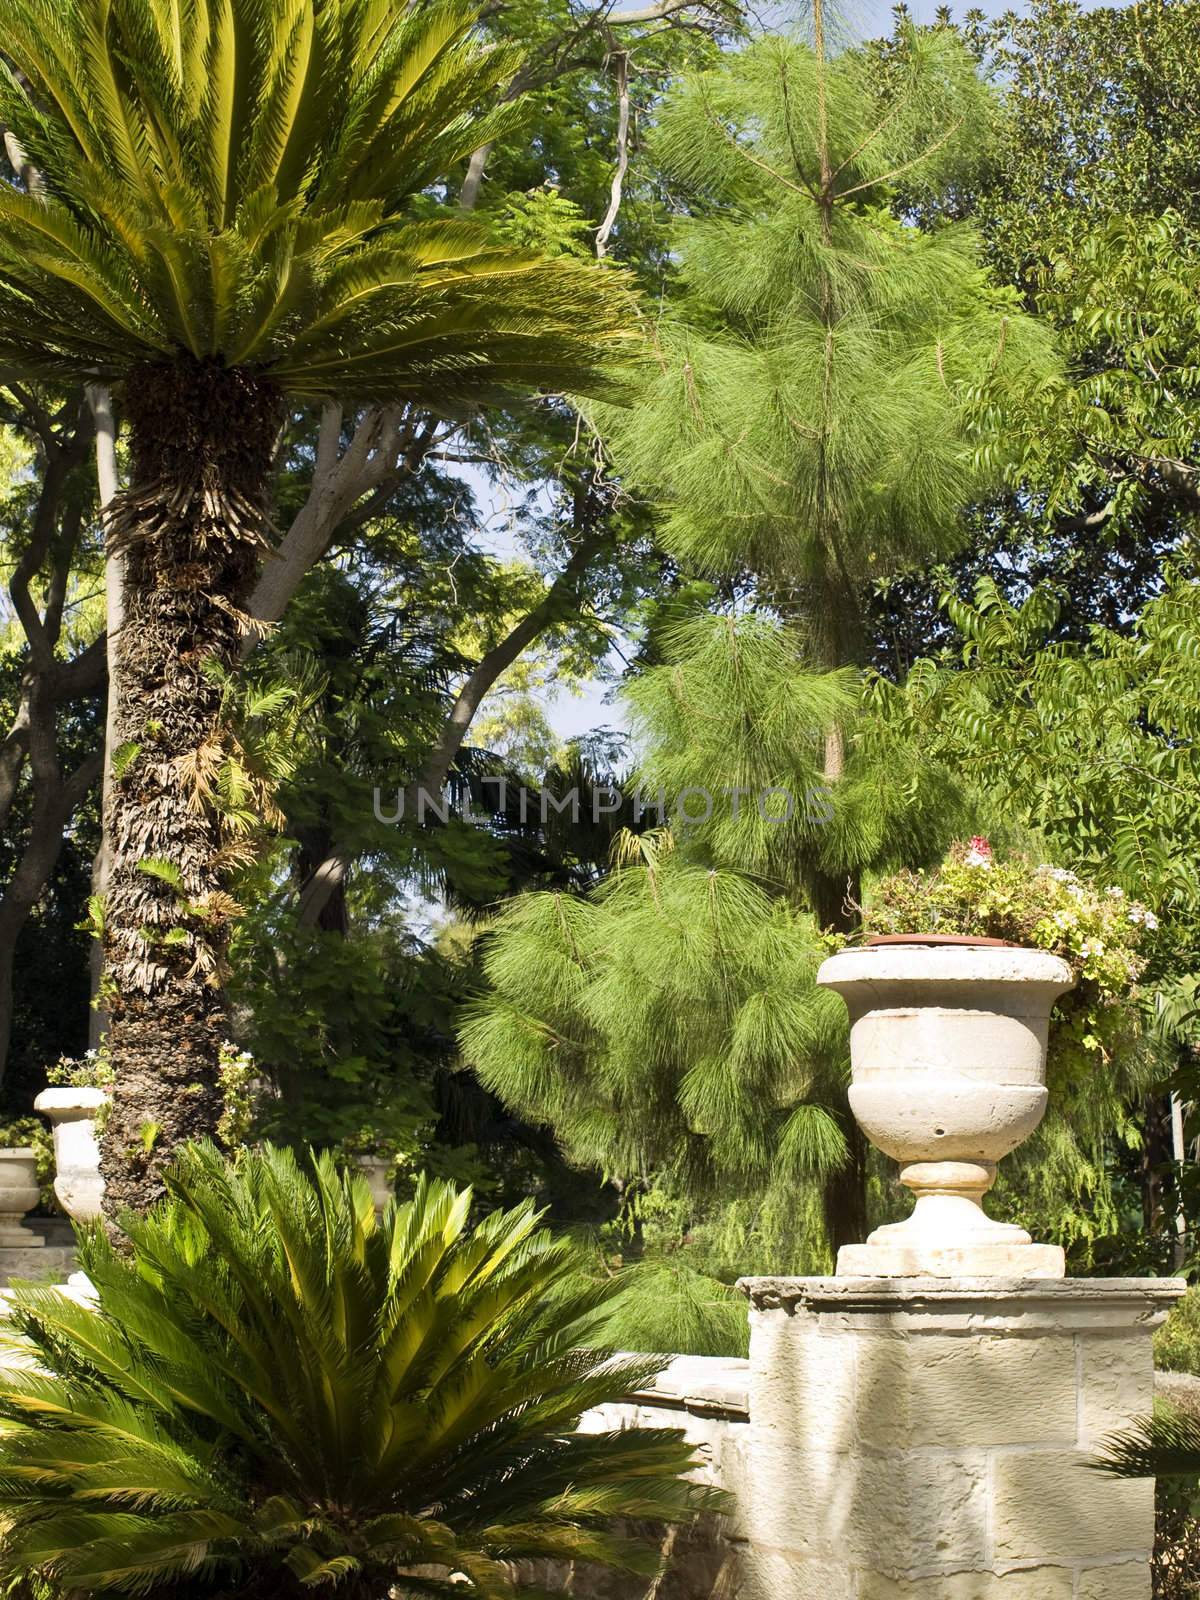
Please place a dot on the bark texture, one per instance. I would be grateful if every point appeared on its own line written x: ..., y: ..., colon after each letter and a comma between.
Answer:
x: 190, y: 529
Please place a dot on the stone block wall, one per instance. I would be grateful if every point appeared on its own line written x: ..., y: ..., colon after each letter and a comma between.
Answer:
x: 896, y: 1438
x: 938, y: 1438
x: 47, y: 1257
x: 708, y: 1397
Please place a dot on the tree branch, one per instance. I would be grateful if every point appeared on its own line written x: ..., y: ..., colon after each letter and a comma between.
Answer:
x: 618, y: 181
x: 385, y: 445
x: 651, y: 13
x: 482, y: 677
x: 321, y: 884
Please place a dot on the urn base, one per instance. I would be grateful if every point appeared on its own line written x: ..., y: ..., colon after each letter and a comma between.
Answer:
x: 949, y: 1234
x: 951, y: 1261
x: 14, y: 1234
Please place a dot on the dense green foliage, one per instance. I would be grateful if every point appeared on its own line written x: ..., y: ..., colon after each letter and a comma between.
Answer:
x: 924, y: 396
x: 277, y: 1389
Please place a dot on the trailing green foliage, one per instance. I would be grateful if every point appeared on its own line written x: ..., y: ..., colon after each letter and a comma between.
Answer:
x: 1099, y: 934
x: 278, y: 1391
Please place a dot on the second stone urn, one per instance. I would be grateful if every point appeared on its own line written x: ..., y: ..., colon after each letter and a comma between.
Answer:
x: 72, y: 1114
x: 381, y: 1179
x: 948, y: 1068
x: 18, y: 1194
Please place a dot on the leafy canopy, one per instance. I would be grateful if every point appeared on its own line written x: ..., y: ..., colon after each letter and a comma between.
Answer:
x: 236, y: 180
x: 279, y: 1390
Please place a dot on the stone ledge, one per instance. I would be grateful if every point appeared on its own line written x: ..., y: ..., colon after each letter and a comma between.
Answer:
x: 702, y: 1386
x: 1133, y: 1298
x: 34, y: 1263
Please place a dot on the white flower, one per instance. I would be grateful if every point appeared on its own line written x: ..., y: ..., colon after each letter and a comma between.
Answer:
x: 975, y: 858
x: 1150, y: 920
x: 1117, y: 894
x: 1065, y: 919
x: 1075, y: 891
x: 1092, y: 947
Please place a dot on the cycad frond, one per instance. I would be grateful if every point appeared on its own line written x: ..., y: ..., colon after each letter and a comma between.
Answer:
x: 275, y: 1379
x: 1166, y: 1446
x: 231, y: 179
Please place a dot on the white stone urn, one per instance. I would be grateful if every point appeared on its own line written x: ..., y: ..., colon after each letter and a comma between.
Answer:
x: 380, y: 1175
x: 19, y: 1193
x: 72, y: 1115
x: 948, y: 1069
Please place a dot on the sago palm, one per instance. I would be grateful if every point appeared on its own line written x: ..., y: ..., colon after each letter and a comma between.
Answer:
x: 220, y: 219
x: 279, y: 1395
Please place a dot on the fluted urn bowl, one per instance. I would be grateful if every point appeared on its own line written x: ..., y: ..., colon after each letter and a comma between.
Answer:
x: 948, y: 1068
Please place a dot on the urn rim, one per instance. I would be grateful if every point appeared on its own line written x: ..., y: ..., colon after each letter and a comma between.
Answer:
x: 865, y: 968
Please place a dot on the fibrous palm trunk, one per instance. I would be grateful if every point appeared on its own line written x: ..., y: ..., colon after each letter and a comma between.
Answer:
x: 191, y: 526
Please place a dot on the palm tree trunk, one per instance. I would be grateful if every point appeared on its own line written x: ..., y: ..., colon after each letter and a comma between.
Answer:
x: 191, y: 530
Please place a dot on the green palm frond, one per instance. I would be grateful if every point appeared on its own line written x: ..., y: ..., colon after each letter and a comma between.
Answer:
x: 234, y: 179
x: 274, y: 1380
x: 1162, y: 1446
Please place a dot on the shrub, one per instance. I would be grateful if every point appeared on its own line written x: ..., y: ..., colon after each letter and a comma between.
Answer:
x: 279, y: 1394
x: 1177, y: 1342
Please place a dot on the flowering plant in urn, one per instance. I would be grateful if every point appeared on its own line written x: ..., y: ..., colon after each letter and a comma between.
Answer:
x: 950, y: 1007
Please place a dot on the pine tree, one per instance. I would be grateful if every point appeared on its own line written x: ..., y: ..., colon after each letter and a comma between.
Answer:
x: 831, y: 383
x: 669, y: 1028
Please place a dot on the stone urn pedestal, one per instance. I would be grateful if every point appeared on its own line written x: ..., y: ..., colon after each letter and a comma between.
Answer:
x: 381, y: 1179
x: 948, y: 1067
x: 72, y: 1114
x: 40, y: 1248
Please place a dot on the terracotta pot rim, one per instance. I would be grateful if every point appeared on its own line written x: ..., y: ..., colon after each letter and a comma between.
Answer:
x: 960, y: 939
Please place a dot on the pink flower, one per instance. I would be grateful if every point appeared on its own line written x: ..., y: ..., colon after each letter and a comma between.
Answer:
x: 979, y: 852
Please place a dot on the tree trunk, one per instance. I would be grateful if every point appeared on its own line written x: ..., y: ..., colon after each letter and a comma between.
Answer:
x: 835, y: 900
x: 107, y: 485
x: 331, y: 913
x: 190, y: 529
